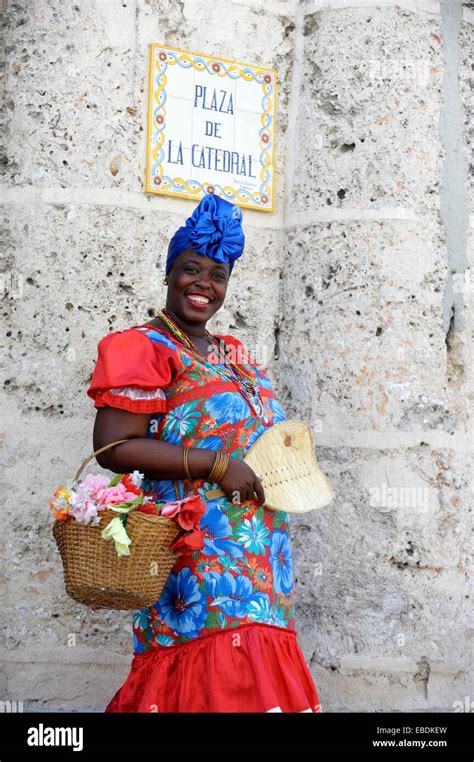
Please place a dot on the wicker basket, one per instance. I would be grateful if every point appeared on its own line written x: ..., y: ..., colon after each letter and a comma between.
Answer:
x: 284, y: 458
x: 95, y: 575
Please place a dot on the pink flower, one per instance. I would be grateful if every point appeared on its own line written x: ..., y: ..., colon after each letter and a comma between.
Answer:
x: 171, y: 509
x: 93, y: 495
x: 92, y: 484
x: 85, y: 512
x: 89, y: 488
x: 113, y: 495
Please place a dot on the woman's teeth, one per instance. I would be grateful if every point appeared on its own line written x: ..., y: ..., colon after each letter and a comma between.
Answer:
x: 197, y: 299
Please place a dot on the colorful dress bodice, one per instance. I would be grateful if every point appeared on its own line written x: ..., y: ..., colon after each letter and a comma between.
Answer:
x: 244, y: 572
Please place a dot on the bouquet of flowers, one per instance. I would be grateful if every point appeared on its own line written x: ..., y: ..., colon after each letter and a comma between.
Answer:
x: 84, y: 502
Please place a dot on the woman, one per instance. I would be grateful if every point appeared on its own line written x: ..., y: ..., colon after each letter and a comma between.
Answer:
x: 221, y: 637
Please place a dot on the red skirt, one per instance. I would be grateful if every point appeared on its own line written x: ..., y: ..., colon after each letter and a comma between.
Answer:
x: 252, y: 668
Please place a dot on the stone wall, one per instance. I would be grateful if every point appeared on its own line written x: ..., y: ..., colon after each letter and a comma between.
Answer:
x: 355, y: 287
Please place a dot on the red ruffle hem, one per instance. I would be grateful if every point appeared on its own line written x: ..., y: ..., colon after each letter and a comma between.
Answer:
x: 252, y: 668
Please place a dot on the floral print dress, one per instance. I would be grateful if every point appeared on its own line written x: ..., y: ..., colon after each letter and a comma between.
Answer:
x: 240, y: 583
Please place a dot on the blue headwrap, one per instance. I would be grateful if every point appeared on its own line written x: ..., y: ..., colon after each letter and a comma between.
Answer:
x: 213, y: 230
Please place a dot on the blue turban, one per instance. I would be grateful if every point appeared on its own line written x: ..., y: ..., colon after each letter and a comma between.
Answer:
x: 213, y: 230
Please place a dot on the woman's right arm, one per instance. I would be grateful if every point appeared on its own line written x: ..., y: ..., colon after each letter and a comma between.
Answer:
x: 152, y: 457
x: 161, y: 460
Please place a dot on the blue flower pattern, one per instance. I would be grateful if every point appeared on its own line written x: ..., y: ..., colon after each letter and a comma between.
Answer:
x: 244, y: 571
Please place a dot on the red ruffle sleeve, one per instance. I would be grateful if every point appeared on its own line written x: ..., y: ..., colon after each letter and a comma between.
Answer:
x: 132, y: 372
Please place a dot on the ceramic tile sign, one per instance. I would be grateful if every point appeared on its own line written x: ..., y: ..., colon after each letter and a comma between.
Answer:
x: 211, y: 127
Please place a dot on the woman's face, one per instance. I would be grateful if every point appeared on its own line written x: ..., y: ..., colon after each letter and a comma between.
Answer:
x: 194, y: 274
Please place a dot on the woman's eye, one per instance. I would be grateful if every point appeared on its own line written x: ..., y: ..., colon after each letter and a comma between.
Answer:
x: 220, y: 275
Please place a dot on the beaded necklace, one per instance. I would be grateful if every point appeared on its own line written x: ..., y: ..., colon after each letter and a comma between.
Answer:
x: 246, y: 384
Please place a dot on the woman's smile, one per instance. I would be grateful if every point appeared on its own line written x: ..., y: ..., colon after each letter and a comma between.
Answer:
x: 197, y: 300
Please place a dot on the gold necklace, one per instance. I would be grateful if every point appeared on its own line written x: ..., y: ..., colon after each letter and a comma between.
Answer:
x: 244, y: 380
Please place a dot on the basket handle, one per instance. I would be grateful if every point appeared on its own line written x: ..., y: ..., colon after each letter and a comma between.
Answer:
x: 106, y: 447
x: 97, y: 452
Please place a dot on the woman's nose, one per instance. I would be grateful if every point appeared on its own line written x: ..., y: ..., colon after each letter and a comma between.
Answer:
x: 203, y: 280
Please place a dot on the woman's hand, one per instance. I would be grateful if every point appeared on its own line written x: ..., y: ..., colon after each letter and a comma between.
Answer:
x: 240, y: 482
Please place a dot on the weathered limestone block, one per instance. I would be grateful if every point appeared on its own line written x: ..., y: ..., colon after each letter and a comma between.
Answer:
x: 368, y: 116
x: 361, y: 325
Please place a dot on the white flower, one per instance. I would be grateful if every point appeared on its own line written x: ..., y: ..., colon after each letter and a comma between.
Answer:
x: 136, y: 478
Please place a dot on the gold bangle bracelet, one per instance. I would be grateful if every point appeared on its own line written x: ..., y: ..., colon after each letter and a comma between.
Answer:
x: 218, y: 468
x: 224, y: 464
x: 185, y: 460
x: 214, y: 468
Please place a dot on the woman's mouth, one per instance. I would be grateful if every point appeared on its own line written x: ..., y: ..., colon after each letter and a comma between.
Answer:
x: 198, y: 301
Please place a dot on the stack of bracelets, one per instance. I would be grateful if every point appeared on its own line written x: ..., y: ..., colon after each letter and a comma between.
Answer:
x: 218, y: 469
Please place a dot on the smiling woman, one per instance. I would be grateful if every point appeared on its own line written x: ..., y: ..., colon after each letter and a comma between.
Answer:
x: 221, y: 637
x: 185, y: 293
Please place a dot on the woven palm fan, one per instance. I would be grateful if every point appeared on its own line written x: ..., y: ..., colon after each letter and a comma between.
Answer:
x: 284, y: 458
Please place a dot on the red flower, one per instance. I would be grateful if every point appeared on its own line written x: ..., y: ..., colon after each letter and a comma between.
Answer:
x: 131, y: 487
x: 190, y: 515
x: 149, y: 508
x: 187, y: 511
x: 188, y: 542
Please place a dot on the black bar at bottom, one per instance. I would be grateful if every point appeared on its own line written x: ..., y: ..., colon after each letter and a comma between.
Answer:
x: 73, y: 735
